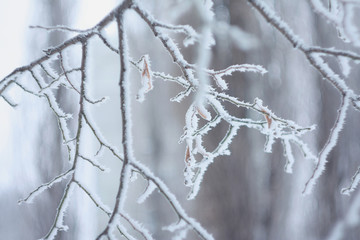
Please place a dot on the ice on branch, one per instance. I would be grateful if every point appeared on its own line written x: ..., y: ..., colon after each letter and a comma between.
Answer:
x: 332, y: 15
x: 208, y: 107
x: 58, y: 224
x: 329, y: 145
x: 190, y: 167
x: 205, y: 10
x: 49, y: 69
x: 181, y: 229
x: 289, y: 155
x: 217, y: 75
x: 43, y: 187
x: 95, y: 163
x: 191, y: 37
x: 137, y: 226
x: 354, y: 183
x: 94, y: 197
x: 344, y: 65
x: 203, y: 112
x: 277, y: 22
x: 124, y: 232
x: 61, y: 116
x: 170, y: 197
x: 183, y: 94
x: 146, y: 78
x: 342, y: 16
x: 148, y: 191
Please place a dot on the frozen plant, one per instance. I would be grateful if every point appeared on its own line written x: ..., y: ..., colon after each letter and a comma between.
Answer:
x: 206, y: 89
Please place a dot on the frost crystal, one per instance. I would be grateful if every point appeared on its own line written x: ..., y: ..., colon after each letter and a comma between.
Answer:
x: 149, y: 189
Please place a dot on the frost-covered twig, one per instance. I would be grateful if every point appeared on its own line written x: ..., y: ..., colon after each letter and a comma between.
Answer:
x: 331, y: 16
x: 206, y: 101
x: 83, y: 117
x: 170, y: 197
x: 46, y: 186
x: 65, y: 74
x: 60, y: 115
x: 59, y: 28
x: 335, y: 52
x: 95, y: 164
x: 55, y: 82
x: 125, y: 105
x: 280, y: 128
x: 102, y: 141
x: 99, y: 204
x: 314, y: 56
x: 329, y: 145
x: 310, y: 52
x: 342, y: 17
x: 58, y: 222
x: 273, y: 127
x: 217, y: 75
x: 355, y: 180
x: 168, y: 43
x: 10, y: 78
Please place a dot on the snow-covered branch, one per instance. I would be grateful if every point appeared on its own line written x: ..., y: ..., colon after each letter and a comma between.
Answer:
x: 126, y: 130
x: 329, y: 145
x: 341, y: 15
x: 315, y: 58
x: 205, y: 91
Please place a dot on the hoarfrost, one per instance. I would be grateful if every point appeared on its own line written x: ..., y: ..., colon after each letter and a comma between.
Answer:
x: 345, y: 65
x: 148, y: 191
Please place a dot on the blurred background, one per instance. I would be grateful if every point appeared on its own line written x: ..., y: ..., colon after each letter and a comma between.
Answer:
x: 246, y: 195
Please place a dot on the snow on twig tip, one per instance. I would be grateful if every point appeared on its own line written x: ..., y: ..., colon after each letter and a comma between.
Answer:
x: 203, y: 112
x: 355, y: 180
x: 148, y: 191
x: 181, y: 228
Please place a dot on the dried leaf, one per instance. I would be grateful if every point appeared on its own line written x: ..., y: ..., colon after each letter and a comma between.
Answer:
x: 187, y: 155
x: 146, y: 78
x: 267, y: 117
x: 146, y: 74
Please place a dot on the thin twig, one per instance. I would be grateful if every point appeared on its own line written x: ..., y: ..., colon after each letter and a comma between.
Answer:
x: 58, y: 28
x: 125, y: 105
